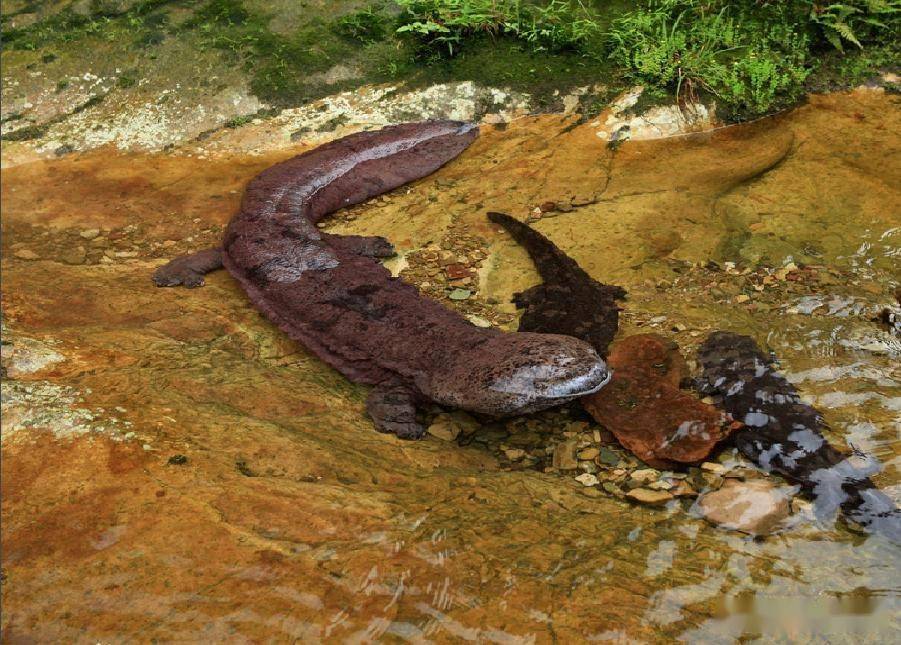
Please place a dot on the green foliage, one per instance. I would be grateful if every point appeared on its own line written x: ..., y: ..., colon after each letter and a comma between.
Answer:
x: 754, y: 56
x: 759, y: 81
x: 753, y: 59
x: 443, y: 25
x: 856, y: 21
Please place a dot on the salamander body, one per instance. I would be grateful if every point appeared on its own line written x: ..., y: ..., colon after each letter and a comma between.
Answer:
x: 329, y: 293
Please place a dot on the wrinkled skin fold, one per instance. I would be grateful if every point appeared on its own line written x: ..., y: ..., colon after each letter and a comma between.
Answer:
x: 329, y: 293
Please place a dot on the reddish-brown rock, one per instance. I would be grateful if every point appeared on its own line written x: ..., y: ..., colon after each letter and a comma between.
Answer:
x: 647, y: 412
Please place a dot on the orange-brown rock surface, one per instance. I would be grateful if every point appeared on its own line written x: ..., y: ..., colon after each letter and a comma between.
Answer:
x: 174, y: 469
x: 647, y: 412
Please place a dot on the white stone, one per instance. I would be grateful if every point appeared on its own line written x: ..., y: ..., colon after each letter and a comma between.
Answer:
x: 757, y: 507
x: 587, y: 479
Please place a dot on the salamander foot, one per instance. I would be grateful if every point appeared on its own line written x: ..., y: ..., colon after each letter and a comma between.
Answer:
x: 393, y: 410
x: 188, y: 270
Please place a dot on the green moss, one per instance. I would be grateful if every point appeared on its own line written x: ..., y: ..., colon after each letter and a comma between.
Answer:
x: 842, y: 70
x: 126, y: 81
x: 238, y: 121
x: 9, y: 118
x: 507, y: 62
x: 333, y: 124
x: 28, y: 133
x: 37, y: 131
x: 91, y: 102
x: 367, y: 25
x: 68, y: 26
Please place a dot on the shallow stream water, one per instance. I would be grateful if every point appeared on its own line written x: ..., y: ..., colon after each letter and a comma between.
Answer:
x: 175, y: 469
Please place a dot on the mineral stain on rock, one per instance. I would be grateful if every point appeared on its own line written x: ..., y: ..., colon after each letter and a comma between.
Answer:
x: 347, y: 534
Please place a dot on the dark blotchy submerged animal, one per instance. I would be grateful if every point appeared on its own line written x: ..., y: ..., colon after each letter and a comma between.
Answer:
x: 569, y: 301
x: 783, y: 435
x: 327, y: 292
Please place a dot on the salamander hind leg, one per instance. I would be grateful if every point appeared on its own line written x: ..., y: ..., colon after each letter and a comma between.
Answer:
x: 188, y: 270
x: 393, y: 410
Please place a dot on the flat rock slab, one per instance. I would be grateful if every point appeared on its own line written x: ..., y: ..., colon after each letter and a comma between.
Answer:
x: 756, y: 507
x: 648, y: 413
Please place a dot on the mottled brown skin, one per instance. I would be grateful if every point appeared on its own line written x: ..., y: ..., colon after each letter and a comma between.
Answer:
x: 783, y: 434
x: 568, y: 301
x: 327, y: 292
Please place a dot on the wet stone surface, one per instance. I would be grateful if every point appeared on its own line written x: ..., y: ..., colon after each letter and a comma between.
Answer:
x: 180, y: 470
x: 647, y: 411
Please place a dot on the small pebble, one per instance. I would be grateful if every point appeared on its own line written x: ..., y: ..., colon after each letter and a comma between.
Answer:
x: 449, y: 426
x: 645, y: 475
x: 565, y: 455
x: 478, y: 321
x: 587, y: 479
x: 757, y: 507
x: 607, y: 457
x: 683, y: 489
x: 515, y: 454
x: 649, y: 497
x: 611, y: 488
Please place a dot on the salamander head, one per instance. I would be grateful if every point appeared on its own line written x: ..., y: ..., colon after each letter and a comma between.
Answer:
x: 519, y: 373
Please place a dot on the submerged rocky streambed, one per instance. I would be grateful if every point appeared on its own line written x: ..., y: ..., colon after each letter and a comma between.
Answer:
x: 174, y: 468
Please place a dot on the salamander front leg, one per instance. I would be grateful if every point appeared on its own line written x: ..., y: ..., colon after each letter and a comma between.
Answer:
x: 393, y: 409
x: 188, y: 269
x: 374, y: 246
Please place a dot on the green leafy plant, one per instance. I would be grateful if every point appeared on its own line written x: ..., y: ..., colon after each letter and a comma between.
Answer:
x: 445, y: 24
x: 855, y: 20
x: 753, y: 59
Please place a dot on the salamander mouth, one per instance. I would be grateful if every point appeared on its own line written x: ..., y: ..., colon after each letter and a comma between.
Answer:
x: 583, y: 385
x: 537, y: 387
